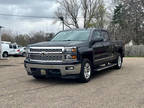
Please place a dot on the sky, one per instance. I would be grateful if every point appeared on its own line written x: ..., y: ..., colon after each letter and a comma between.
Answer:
x: 29, y: 8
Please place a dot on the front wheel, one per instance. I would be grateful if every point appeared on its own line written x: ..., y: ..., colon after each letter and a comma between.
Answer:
x: 5, y: 54
x: 38, y: 77
x: 24, y: 54
x: 86, y: 71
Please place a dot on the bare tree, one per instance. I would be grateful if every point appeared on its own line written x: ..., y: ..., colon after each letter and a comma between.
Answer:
x: 7, y: 36
x: 69, y: 9
x: 93, y: 13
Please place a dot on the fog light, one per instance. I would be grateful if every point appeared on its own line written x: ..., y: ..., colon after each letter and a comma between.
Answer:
x: 69, y: 68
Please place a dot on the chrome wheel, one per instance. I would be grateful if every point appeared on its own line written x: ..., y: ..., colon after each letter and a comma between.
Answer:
x: 119, y: 61
x: 87, y: 70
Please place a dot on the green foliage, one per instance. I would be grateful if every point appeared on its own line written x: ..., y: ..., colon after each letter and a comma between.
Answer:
x: 127, y: 22
x: 118, y: 13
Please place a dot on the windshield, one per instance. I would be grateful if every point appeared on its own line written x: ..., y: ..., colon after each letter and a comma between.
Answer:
x: 75, y: 35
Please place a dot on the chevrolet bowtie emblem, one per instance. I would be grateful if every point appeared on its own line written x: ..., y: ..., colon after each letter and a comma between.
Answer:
x: 43, y: 53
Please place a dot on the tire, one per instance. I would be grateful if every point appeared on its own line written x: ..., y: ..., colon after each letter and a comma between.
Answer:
x: 24, y: 54
x: 86, y: 71
x: 38, y: 77
x: 5, y: 54
x: 118, y: 62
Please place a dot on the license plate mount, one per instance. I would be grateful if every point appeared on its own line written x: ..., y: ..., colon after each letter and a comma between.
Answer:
x: 43, y: 72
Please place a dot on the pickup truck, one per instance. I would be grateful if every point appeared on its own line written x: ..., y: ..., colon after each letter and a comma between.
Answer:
x: 75, y: 53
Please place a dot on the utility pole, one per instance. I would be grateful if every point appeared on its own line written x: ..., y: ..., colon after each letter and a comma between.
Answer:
x: 0, y: 43
x: 62, y: 19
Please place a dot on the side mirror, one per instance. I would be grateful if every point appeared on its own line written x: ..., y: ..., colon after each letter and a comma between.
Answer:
x: 97, y: 40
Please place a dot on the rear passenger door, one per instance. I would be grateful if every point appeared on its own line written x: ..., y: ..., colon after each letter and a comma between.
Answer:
x: 107, y: 46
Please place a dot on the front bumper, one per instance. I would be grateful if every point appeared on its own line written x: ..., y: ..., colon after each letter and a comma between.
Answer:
x: 62, y: 68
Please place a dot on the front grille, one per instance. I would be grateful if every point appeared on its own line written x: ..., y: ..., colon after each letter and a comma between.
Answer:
x: 46, y: 50
x: 46, y: 54
x: 46, y: 57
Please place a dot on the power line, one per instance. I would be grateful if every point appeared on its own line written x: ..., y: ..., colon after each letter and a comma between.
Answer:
x: 39, y: 17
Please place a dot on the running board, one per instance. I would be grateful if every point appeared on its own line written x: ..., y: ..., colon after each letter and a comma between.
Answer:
x: 105, y: 67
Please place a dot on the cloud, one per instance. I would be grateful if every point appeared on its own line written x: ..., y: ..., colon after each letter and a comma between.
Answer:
x: 28, y: 8
x: 21, y: 2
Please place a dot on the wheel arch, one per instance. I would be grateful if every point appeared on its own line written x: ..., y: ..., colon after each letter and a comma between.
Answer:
x: 5, y: 52
x: 87, y: 55
x: 121, y: 51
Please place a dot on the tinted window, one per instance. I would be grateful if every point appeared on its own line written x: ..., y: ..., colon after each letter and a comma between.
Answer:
x: 105, y: 36
x: 10, y: 46
x: 14, y: 46
x: 96, y: 35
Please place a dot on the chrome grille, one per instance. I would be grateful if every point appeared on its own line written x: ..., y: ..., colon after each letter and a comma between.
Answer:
x: 48, y: 54
x: 46, y: 50
x: 46, y: 57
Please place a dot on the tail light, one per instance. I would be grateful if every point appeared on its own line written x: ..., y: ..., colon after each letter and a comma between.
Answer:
x: 18, y: 50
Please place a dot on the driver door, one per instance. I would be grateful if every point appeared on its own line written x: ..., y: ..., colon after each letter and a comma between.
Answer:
x: 97, y: 46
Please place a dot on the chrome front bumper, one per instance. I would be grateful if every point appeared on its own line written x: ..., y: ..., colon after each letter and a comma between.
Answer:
x: 62, y: 68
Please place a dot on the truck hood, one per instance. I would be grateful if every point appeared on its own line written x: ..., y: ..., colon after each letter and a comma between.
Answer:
x: 60, y: 44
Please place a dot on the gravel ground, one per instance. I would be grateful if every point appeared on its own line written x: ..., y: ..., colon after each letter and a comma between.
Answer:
x: 108, y: 89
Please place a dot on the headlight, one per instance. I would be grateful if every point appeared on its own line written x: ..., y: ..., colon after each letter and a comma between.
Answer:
x: 70, y: 49
x: 27, y: 51
x: 70, y: 53
x: 70, y: 57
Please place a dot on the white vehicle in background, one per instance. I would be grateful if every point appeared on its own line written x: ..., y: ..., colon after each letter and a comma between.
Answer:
x: 22, y: 51
x: 9, y: 49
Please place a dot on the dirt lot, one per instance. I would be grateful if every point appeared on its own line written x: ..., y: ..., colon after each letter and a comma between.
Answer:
x: 108, y: 89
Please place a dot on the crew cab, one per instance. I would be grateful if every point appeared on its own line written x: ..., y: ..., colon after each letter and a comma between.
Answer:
x: 75, y: 53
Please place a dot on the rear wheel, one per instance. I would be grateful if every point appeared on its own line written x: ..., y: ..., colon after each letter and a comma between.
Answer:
x: 5, y: 54
x: 86, y: 71
x: 118, y: 62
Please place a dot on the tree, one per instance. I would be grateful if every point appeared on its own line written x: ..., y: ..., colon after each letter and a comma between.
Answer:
x: 6, y: 36
x: 128, y: 21
x: 69, y: 9
x: 22, y: 40
x: 93, y: 13
x: 25, y: 39
x: 40, y: 37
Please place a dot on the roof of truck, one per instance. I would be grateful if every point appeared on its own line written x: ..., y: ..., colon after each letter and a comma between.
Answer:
x: 78, y: 29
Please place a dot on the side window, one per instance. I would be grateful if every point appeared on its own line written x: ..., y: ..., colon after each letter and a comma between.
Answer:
x: 14, y: 46
x: 105, y: 36
x: 96, y: 35
x: 10, y: 46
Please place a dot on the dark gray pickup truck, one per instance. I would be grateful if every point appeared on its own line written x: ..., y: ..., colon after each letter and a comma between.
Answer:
x: 74, y: 54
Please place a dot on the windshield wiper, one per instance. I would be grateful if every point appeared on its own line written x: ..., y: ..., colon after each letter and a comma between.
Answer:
x: 68, y: 40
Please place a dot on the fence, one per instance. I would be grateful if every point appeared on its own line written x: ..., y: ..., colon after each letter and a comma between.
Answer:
x: 134, y: 51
